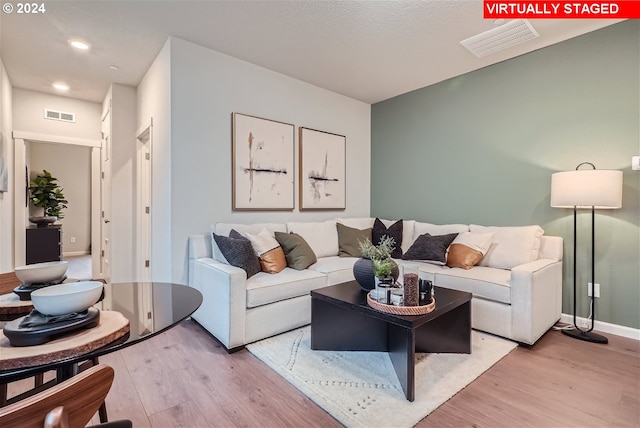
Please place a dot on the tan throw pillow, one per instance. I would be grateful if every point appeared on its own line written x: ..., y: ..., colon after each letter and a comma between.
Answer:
x: 461, y: 256
x: 270, y: 253
x: 468, y: 249
x: 348, y: 239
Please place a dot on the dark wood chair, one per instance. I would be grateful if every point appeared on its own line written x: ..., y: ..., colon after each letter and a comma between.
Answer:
x: 80, y: 396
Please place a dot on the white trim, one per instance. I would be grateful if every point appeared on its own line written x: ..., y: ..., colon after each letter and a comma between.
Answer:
x: 604, y: 327
x: 34, y: 136
x: 76, y: 253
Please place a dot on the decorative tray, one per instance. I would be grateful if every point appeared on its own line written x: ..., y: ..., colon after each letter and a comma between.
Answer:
x: 401, y: 310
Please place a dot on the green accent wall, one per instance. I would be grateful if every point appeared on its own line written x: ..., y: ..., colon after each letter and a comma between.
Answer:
x: 480, y: 148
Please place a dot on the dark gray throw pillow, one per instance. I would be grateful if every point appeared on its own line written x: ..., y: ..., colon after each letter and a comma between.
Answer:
x: 432, y: 249
x: 238, y: 251
x: 394, y: 231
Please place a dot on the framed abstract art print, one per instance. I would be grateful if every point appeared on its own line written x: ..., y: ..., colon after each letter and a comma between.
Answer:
x: 322, y: 170
x: 262, y: 164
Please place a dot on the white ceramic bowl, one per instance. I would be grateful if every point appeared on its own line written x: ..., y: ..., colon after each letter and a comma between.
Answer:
x: 66, y: 298
x: 41, y: 272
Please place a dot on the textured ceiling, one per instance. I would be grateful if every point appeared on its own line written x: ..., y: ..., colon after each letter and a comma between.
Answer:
x: 367, y: 50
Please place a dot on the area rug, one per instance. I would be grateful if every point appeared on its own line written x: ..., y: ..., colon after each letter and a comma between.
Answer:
x: 361, y: 389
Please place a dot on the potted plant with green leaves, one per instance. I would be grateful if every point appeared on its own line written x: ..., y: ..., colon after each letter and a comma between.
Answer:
x: 376, y: 262
x: 46, y: 194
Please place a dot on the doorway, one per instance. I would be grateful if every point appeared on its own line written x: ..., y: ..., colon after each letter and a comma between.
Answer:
x: 21, y: 182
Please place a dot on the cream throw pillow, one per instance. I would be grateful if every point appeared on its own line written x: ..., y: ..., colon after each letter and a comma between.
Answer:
x: 270, y: 254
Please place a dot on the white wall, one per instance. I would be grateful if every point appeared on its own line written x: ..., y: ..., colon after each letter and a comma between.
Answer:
x: 71, y: 165
x: 154, y: 102
x: 122, y: 100
x: 28, y: 115
x: 6, y: 152
x: 206, y: 87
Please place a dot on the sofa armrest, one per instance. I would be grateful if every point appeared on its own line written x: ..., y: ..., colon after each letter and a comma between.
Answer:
x: 200, y: 247
x: 224, y: 299
x: 536, y: 298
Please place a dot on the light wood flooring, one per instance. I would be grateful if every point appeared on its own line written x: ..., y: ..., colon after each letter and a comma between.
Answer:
x: 184, y: 378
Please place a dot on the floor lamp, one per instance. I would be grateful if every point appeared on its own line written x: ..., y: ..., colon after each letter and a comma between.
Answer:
x: 586, y: 189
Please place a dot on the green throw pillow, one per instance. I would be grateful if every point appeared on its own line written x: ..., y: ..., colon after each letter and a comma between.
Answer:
x: 298, y: 253
x: 348, y: 238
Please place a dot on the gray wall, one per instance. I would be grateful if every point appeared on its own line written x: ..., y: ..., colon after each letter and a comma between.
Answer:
x: 480, y: 148
x: 71, y: 165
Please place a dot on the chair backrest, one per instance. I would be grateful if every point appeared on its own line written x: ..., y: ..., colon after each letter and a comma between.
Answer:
x: 81, y: 397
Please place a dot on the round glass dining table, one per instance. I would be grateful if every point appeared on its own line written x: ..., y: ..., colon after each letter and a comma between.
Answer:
x: 150, y: 307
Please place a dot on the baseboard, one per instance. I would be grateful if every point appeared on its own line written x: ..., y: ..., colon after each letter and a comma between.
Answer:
x: 604, y: 327
x: 76, y: 253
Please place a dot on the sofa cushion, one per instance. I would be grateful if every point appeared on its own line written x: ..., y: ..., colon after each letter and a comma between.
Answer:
x: 357, y: 222
x: 298, y: 253
x: 270, y: 253
x: 322, y: 237
x: 468, y: 249
x: 337, y: 269
x: 484, y: 282
x: 237, y: 250
x: 432, y: 249
x: 349, y: 240
x: 223, y: 229
x: 511, y: 246
x: 264, y: 288
x: 394, y: 231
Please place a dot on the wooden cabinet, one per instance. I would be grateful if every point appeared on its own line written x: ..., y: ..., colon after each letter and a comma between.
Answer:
x: 44, y: 244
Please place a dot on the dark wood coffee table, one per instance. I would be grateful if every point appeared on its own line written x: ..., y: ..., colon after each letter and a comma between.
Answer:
x: 341, y: 320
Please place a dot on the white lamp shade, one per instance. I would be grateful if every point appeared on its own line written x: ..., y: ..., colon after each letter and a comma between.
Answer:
x: 597, y: 188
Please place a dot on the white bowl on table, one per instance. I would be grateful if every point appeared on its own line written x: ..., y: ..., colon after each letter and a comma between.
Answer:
x: 66, y: 298
x: 41, y: 272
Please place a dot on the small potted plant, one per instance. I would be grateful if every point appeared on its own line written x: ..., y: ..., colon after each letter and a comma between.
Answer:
x: 376, y: 262
x: 47, y: 194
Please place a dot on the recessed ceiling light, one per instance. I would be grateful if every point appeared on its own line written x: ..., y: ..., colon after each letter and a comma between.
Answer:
x: 61, y: 86
x: 79, y: 44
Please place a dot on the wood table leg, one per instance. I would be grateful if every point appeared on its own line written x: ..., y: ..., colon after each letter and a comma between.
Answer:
x: 38, y: 380
x: 3, y: 394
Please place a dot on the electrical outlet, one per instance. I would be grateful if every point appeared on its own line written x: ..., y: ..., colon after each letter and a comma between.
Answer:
x: 72, y: 240
x: 596, y: 290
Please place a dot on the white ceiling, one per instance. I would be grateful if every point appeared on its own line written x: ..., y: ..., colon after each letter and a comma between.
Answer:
x: 367, y: 50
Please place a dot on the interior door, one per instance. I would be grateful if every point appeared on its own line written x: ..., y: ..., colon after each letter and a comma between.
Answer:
x: 143, y: 191
x: 105, y: 192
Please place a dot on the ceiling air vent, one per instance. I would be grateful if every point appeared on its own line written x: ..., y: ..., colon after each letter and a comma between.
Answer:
x: 499, y: 38
x: 59, y: 115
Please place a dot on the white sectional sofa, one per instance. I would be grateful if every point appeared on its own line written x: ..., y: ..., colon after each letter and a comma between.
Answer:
x: 516, y: 287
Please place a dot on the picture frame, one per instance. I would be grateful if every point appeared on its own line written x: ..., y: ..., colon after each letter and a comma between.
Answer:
x: 262, y: 157
x: 322, y: 170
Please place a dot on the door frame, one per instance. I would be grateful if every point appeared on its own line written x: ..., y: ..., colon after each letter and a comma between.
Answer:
x: 144, y: 172
x: 21, y: 209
